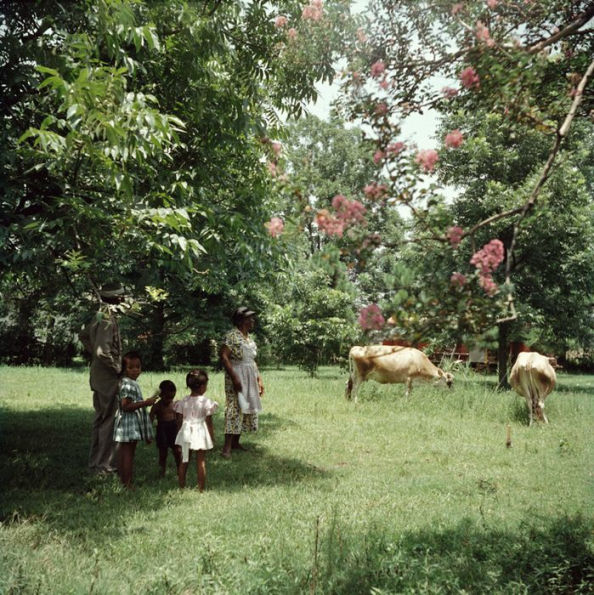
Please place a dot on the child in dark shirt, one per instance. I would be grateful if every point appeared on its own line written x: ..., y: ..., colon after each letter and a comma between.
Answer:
x: 164, y: 413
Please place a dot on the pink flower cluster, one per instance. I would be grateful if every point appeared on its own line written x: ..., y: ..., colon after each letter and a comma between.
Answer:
x: 370, y: 318
x: 275, y: 226
x: 449, y: 92
x: 280, y: 21
x: 378, y: 156
x: 348, y: 213
x: 276, y: 147
x: 483, y: 35
x: 486, y: 260
x: 492, y: 3
x: 454, y: 139
x: 470, y: 78
x: 458, y: 279
x: 455, y: 235
x: 427, y: 158
x: 381, y: 109
x: 375, y: 191
x: 377, y: 68
x: 395, y: 148
x: 313, y: 11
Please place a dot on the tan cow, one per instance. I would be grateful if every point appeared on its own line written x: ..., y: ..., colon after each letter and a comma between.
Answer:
x: 533, y: 378
x: 390, y: 364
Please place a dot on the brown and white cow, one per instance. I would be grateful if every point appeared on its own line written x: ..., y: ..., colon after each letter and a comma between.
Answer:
x: 390, y: 364
x: 533, y: 378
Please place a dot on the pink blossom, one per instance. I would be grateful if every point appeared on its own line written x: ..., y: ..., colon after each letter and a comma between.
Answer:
x: 271, y: 168
x: 456, y: 8
x: 455, y: 235
x: 374, y: 190
x: 492, y: 3
x: 377, y: 68
x: 470, y: 78
x: 348, y: 211
x: 280, y: 21
x: 329, y: 224
x: 381, y: 109
x: 487, y: 283
x: 361, y: 35
x: 275, y: 226
x: 378, y: 156
x: 454, y: 139
x: 458, y: 279
x: 370, y: 318
x: 384, y: 84
x: 427, y: 158
x: 449, y: 92
x: 276, y: 147
x: 489, y: 257
x: 292, y: 34
x: 395, y: 148
x: 313, y: 11
x: 483, y: 35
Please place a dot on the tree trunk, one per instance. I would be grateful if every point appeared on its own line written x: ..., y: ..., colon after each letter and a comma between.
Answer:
x: 156, y: 360
x: 502, y: 355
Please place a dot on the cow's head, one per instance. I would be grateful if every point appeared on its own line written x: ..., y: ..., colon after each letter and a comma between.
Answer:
x: 446, y: 378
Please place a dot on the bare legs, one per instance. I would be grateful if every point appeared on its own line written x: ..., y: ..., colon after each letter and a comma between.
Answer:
x: 163, y: 459
x: 231, y: 443
x: 182, y: 470
x: 126, y: 466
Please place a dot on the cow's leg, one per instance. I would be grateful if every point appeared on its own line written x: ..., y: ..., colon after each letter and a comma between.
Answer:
x: 348, y: 393
x: 530, y: 409
x: 408, y: 387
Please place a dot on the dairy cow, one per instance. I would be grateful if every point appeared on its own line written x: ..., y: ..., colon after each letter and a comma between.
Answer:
x: 533, y: 378
x: 389, y: 364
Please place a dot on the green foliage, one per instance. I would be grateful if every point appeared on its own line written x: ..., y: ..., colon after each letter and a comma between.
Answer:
x: 309, y: 322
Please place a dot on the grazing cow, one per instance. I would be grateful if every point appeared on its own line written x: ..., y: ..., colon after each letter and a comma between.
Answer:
x: 390, y: 364
x: 533, y: 378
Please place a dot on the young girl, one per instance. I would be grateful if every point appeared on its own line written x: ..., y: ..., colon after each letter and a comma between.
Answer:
x: 132, y: 422
x: 163, y: 410
x: 194, y: 418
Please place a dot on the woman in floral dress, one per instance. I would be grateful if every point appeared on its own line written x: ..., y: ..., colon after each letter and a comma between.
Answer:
x: 238, y: 355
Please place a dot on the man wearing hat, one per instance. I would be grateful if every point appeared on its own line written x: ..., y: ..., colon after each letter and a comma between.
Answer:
x: 101, y: 338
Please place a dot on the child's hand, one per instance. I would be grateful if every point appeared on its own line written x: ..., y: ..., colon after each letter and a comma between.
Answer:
x: 152, y: 400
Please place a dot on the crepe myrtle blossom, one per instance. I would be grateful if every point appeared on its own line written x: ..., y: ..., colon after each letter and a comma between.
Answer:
x: 489, y: 257
x: 371, y: 318
x: 458, y: 279
x: 313, y: 11
x: 292, y: 34
x: 377, y: 68
x: 378, y: 156
x: 427, y: 158
x: 487, y: 283
x: 381, y: 109
x: 492, y: 3
x: 455, y: 235
x: 470, y: 78
x: 454, y: 139
x: 275, y: 226
x: 349, y: 211
x: 373, y: 190
x: 276, y: 147
x: 271, y: 168
x: 329, y: 224
x: 280, y: 21
x: 483, y: 35
x: 449, y: 92
x: 395, y: 148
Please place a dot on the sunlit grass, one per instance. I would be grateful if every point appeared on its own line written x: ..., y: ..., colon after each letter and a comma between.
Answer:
x: 394, y: 494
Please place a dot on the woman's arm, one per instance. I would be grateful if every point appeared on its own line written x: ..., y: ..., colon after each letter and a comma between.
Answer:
x: 226, y: 361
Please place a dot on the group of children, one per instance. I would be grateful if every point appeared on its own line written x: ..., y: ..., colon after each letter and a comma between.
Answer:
x: 182, y: 426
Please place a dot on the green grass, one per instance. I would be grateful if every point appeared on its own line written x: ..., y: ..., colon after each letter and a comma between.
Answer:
x: 392, y: 495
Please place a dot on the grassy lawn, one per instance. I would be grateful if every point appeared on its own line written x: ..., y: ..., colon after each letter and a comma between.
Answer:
x: 391, y: 495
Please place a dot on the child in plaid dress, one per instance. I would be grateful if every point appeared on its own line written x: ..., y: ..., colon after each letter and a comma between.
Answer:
x: 132, y: 421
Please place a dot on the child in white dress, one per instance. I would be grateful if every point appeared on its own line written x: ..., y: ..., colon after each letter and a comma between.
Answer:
x: 196, y: 432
